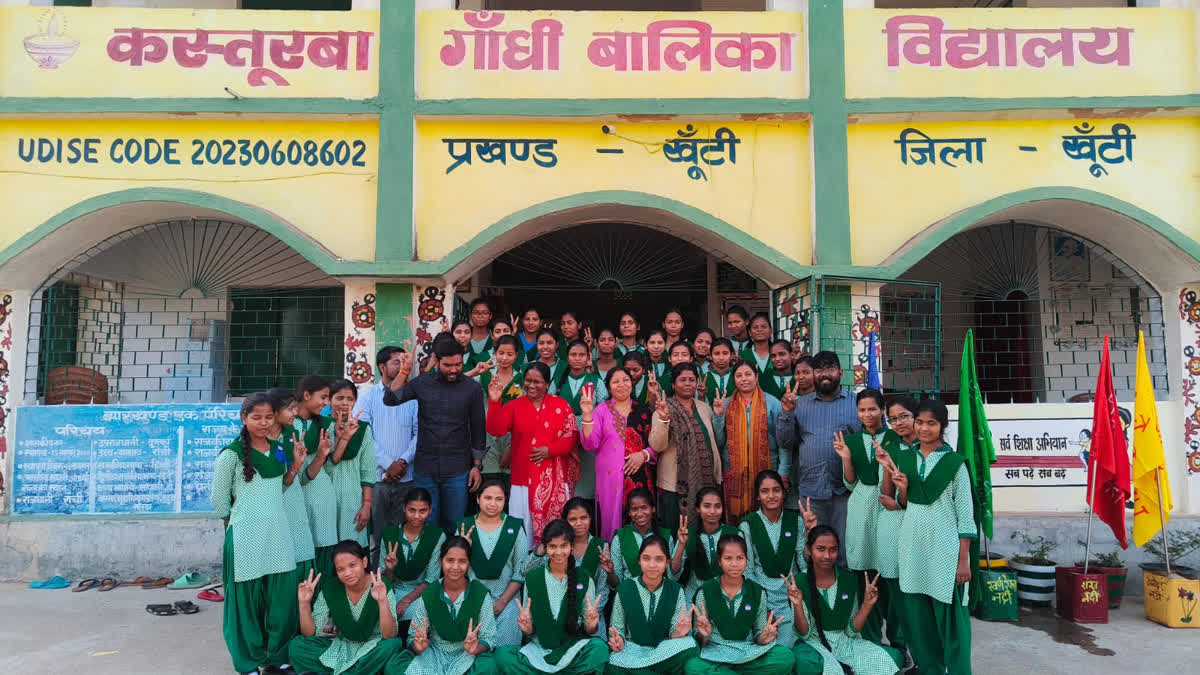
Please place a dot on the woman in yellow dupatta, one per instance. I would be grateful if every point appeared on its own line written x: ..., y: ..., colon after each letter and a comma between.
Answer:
x: 749, y: 418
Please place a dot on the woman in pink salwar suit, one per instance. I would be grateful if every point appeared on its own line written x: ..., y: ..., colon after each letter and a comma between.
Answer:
x: 617, y: 430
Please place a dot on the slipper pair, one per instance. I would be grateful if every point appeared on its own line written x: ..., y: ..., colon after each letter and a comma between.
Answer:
x: 160, y: 582
x: 53, y: 583
x: 189, y: 580
x: 180, y: 607
x: 211, y: 594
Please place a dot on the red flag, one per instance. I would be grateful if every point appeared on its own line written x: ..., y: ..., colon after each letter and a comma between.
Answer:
x: 1108, y: 456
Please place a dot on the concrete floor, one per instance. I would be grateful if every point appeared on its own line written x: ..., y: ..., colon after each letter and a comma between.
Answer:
x: 100, y: 633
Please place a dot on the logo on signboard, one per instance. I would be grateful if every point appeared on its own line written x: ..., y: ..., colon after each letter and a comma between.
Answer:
x: 52, y: 46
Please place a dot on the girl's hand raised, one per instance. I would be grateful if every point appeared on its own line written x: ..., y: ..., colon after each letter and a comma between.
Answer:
x: 391, y: 560
x: 703, y: 625
x: 615, y: 642
x: 839, y: 445
x: 525, y: 618
x: 591, y: 613
x: 471, y: 642
x: 771, y: 630
x: 325, y: 446
x: 870, y: 590
x: 606, y: 562
x: 684, y: 625
x: 379, y: 590
x: 795, y: 595
x: 308, y: 587
x: 420, y: 638
x: 718, y: 404
x: 810, y: 518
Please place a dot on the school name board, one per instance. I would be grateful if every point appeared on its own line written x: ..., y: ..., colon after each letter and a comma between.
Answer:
x: 749, y: 174
x: 1037, y: 452
x: 1033, y: 52
x: 163, y: 53
x: 610, y: 54
x: 117, y: 459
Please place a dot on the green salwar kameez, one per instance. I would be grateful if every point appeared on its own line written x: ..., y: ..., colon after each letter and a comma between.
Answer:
x: 863, y: 515
x: 447, y: 657
x: 349, y: 476
x: 887, y: 562
x: 624, y: 558
x: 746, y: 614
x: 260, y: 612
x: 339, y: 654
x: 587, y: 655
x: 839, y: 605
x: 417, y: 561
x: 938, y: 515
x: 662, y: 654
x: 764, y: 568
x: 320, y: 496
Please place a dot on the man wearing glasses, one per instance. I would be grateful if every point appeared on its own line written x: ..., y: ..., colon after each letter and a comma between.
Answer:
x: 816, y: 466
x: 394, y: 430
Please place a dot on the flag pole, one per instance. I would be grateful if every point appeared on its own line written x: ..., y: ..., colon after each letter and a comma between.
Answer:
x: 1162, y: 518
x: 1087, y: 549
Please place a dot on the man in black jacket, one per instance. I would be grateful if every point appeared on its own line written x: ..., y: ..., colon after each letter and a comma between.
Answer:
x: 450, y: 431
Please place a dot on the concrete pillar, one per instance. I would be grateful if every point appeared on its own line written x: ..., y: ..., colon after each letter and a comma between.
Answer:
x: 360, y: 319
x: 1183, y: 457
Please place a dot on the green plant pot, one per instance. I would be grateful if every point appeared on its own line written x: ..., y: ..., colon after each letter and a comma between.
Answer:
x: 1035, y: 583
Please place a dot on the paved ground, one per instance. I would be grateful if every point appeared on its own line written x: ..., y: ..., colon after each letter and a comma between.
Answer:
x: 100, y: 633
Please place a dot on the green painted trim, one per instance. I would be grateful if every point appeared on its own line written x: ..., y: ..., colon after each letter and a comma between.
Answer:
x: 55, y: 517
x: 572, y: 107
x: 950, y: 104
x: 830, y: 152
x: 394, y: 308
x: 238, y: 210
x: 394, y: 232
x: 698, y: 217
x: 960, y: 221
x: 93, y: 106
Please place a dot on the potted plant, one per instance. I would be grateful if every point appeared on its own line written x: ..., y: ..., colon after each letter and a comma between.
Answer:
x: 999, y: 587
x: 1172, y: 600
x: 1110, y: 565
x: 1035, y: 570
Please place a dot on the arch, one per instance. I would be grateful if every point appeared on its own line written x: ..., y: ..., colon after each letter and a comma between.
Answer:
x: 1025, y: 205
x: 639, y: 208
x: 89, y: 222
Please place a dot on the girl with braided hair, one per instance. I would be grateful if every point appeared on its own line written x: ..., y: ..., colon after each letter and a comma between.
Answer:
x: 260, y: 610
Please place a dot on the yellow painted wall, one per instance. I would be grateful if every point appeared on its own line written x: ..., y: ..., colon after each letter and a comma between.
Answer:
x: 762, y: 194
x: 332, y: 201
x: 1161, y: 56
x: 695, y: 37
x: 891, y: 202
x: 65, y: 51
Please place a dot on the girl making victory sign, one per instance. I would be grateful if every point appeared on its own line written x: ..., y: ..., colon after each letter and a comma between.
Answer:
x: 453, y: 627
x: 651, y: 626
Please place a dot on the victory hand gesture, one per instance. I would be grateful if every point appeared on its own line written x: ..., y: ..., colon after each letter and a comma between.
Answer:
x: 684, y: 625
x: 882, y: 455
x: 464, y: 532
x: 718, y: 404
x: 660, y: 406
x: 471, y: 642
x: 308, y: 587
x: 703, y: 625
x: 525, y: 618
x: 587, y: 402
x: 900, y: 479
x: 587, y: 337
x: 771, y: 630
x: 839, y: 445
x: 682, y: 535
x: 420, y: 638
x: 391, y: 560
x: 379, y: 590
x: 606, y: 563
x: 810, y: 518
x: 298, y: 449
x: 350, y: 427
x: 795, y: 595
x: 591, y: 613
x: 871, y: 590
x: 788, y: 401
x: 325, y: 446
x: 615, y: 642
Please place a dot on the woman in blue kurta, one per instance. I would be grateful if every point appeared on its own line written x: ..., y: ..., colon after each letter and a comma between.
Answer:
x: 651, y: 625
x: 735, y: 629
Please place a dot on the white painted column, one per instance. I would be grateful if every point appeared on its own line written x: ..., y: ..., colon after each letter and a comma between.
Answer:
x: 1183, y: 455
x: 14, y: 331
x: 359, y: 322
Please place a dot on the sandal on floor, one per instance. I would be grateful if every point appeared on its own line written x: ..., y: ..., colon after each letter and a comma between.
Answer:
x: 186, y: 607
x: 211, y: 594
x: 53, y: 583
x: 189, y: 580
x: 137, y: 582
x: 161, y: 582
x: 109, y: 584
x: 161, y: 610
x: 86, y: 585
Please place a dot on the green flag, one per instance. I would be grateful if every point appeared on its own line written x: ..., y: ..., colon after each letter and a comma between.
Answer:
x: 975, y: 445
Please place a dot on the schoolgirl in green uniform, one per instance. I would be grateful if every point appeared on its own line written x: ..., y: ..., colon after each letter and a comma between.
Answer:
x: 641, y: 522
x: 866, y: 470
x: 639, y: 369
x: 651, y: 625
x: 672, y: 325
x: 737, y: 324
x: 364, y: 620
x: 570, y: 386
x: 719, y: 379
x: 547, y: 353
x: 588, y: 552
x: 680, y: 352
x: 461, y: 331
x: 570, y: 329
x: 803, y: 376
x: 351, y: 465
x: 453, y: 628
x: 736, y: 631
x: 283, y: 403
x: 702, y: 347
x: 531, y: 326
x: 410, y: 562
x: 832, y: 607
x: 656, y: 353
x: 479, y: 347
x: 499, y: 546
x: 758, y: 350
x: 701, y: 549
x: 606, y: 353
x: 320, y: 496
x: 777, y: 377
x: 627, y: 334
x: 496, y: 464
x: 774, y: 536
x: 259, y: 563
x: 560, y: 615
x: 936, y: 560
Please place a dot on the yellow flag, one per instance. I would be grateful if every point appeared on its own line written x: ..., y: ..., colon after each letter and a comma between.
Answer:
x: 1147, y: 456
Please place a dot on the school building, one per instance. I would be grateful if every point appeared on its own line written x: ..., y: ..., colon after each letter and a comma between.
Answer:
x: 204, y: 198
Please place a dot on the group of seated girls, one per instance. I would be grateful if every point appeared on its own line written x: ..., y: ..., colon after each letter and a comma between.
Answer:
x: 707, y: 598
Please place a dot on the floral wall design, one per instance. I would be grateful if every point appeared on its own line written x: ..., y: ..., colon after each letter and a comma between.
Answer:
x: 360, y: 333
x: 430, y: 317
x: 1189, y: 313
x: 866, y: 321
x: 6, y: 307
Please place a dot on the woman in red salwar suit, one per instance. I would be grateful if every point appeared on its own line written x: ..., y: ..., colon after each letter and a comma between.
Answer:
x: 544, y: 458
